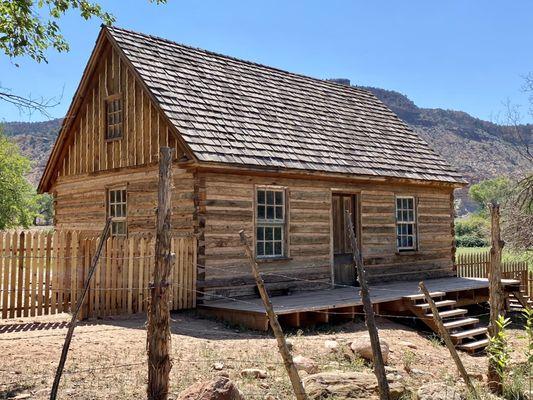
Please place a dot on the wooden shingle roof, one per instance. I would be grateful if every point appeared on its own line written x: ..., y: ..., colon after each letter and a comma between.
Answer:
x: 241, y: 113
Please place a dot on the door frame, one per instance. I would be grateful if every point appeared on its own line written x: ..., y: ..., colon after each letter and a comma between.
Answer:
x: 357, y: 221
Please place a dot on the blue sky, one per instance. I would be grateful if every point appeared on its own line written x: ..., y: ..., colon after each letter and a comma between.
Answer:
x: 455, y: 54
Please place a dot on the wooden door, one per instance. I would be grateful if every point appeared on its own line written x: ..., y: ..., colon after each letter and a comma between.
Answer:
x: 344, y: 272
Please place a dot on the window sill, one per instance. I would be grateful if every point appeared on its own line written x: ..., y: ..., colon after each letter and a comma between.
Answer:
x: 272, y: 259
x: 113, y: 139
x: 406, y: 252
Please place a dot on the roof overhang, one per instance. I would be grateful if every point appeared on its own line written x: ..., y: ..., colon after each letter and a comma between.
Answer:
x: 316, y: 175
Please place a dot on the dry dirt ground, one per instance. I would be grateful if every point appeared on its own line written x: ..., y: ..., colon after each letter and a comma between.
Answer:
x: 107, y: 357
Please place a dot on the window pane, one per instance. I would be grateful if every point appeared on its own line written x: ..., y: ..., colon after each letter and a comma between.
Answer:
x: 279, y: 212
x: 270, y: 212
x: 277, y: 233
x: 279, y: 197
x: 269, y: 234
x: 277, y: 248
x: 410, y: 229
x: 410, y: 241
x: 269, y: 249
x: 270, y: 197
x: 261, y: 197
x: 260, y: 233
x: 261, y: 212
x: 260, y: 249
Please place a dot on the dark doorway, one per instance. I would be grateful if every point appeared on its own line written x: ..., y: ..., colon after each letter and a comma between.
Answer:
x: 344, y: 272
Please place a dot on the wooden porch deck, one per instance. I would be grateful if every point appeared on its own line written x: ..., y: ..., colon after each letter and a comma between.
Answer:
x: 313, y: 306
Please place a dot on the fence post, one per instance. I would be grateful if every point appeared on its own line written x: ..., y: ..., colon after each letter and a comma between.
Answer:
x: 496, y: 298
x: 379, y: 366
x: 158, y: 335
x: 297, y: 385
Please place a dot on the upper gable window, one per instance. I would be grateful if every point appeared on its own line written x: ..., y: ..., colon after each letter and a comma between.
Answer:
x: 114, y: 116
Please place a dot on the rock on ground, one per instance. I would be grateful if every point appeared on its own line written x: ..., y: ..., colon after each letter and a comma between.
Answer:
x: 362, y: 347
x: 305, y: 364
x: 254, y: 373
x: 440, y: 391
x: 331, y: 345
x: 347, y: 385
x: 220, y: 388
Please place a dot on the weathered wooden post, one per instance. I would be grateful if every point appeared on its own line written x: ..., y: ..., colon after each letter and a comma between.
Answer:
x: 296, y: 382
x: 496, y: 297
x: 448, y: 340
x: 379, y: 366
x: 74, y: 318
x: 158, y: 336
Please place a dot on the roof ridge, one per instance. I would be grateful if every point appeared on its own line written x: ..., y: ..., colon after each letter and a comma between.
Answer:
x: 325, y: 81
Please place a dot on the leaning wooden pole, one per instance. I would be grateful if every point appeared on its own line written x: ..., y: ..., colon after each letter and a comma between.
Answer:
x: 296, y: 382
x: 74, y: 319
x: 379, y: 365
x: 447, y: 339
x: 158, y: 336
x: 496, y: 297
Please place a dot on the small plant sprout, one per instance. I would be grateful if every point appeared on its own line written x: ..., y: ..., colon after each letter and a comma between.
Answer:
x: 408, y: 358
x: 498, y: 349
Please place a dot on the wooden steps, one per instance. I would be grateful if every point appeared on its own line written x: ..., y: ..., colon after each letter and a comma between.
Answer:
x: 468, y: 333
x: 442, y: 303
x: 459, y: 323
x: 415, y: 297
x: 517, y: 301
x: 450, y: 313
x: 477, y: 345
x: 464, y: 332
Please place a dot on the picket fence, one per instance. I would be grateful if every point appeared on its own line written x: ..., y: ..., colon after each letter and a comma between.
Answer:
x: 43, y: 273
x: 476, y: 265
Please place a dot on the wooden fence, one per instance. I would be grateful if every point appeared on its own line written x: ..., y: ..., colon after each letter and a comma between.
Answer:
x: 476, y: 265
x: 43, y: 273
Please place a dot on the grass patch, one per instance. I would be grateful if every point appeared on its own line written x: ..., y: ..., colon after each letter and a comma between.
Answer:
x: 507, y: 256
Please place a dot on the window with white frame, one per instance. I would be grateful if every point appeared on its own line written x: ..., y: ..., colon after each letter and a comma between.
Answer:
x: 117, y: 210
x: 405, y: 223
x: 270, y: 223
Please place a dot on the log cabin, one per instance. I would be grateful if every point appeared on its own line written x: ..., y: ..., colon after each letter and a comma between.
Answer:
x: 278, y: 154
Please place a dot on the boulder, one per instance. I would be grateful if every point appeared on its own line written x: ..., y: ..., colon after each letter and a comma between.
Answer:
x: 305, y: 364
x: 440, y: 391
x: 331, y: 346
x: 348, y: 385
x: 220, y: 388
x: 254, y: 373
x: 362, y: 347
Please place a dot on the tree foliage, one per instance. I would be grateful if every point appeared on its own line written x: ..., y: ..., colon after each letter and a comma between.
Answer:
x: 484, y: 192
x: 30, y: 27
x: 472, y: 231
x: 18, y: 201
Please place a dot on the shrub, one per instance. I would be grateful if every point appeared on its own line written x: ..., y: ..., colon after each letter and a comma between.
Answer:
x: 472, y: 231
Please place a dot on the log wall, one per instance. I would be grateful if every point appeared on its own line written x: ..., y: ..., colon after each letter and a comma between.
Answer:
x: 225, y: 204
x: 80, y: 202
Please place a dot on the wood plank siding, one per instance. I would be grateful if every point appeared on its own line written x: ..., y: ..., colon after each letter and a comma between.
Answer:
x: 144, y: 127
x: 227, y: 205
